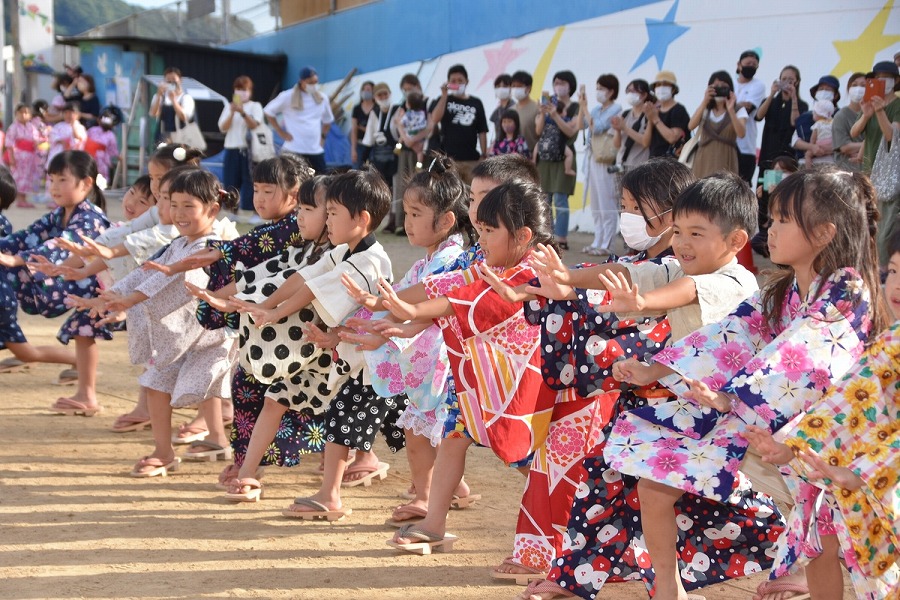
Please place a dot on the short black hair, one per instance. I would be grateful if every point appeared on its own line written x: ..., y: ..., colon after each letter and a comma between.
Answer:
x: 307, y: 194
x: 512, y: 115
x: 523, y: 77
x: 656, y: 184
x: 415, y: 101
x: 610, y: 82
x: 517, y: 204
x: 723, y: 198
x: 747, y: 53
x: 458, y: 69
x: 142, y: 185
x: 362, y: 190
x: 288, y: 171
x: 203, y: 186
x: 569, y: 78
x: 504, y: 168
x: 8, y: 189
x: 503, y: 80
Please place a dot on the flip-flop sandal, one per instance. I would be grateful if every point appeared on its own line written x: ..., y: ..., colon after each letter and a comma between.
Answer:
x: 319, y: 512
x: 371, y: 473
x: 12, y: 365
x: 426, y: 542
x: 548, y: 587
x: 253, y: 494
x: 195, y: 434
x: 67, y: 377
x: 158, y: 468
x: 130, y: 424
x: 518, y: 578
x: 229, y: 474
x: 461, y: 502
x: 406, y: 514
x: 72, y: 408
x: 775, y: 587
x: 212, y: 455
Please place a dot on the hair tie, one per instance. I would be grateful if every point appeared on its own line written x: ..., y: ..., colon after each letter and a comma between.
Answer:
x: 179, y: 154
x: 161, y: 145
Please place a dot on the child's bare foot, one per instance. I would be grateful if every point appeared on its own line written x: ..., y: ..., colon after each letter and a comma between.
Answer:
x: 363, y: 464
x: 322, y: 498
x: 131, y: 421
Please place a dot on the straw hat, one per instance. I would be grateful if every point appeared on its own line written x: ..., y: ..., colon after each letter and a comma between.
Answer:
x: 666, y: 77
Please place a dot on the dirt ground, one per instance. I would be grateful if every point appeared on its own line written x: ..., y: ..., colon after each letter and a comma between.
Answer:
x: 74, y: 525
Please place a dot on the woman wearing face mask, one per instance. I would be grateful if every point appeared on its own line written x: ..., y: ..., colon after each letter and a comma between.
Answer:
x: 601, y: 183
x: 828, y: 90
x: 406, y: 161
x: 847, y: 148
x: 169, y: 103
x: 629, y: 129
x: 238, y: 118
x: 359, y: 152
x: 525, y: 106
x: 379, y: 136
x: 780, y: 110
x: 89, y: 103
x: 556, y: 127
x: 503, y: 93
x: 720, y: 125
x: 668, y: 119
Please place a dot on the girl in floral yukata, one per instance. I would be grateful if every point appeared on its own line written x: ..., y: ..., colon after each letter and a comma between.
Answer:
x: 435, y: 203
x: 79, y: 214
x: 763, y: 365
x: 493, y: 350
x: 844, y: 456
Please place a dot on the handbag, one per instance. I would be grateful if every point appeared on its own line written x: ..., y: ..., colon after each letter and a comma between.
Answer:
x: 885, y: 174
x: 261, y: 143
x: 604, y: 148
x: 189, y: 135
x: 690, y: 147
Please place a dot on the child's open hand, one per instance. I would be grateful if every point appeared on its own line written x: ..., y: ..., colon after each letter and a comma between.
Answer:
x: 261, y: 316
x: 545, y: 260
x: 111, y: 318
x: 362, y: 341
x: 114, y: 302
x: 40, y: 264
x: 166, y: 270
x: 95, y: 305
x: 358, y: 294
x: 96, y: 249
x: 503, y: 289
x: 820, y: 469
x: 624, y: 297
x: 703, y: 395
x: 765, y: 445
x: 391, y: 301
x: 632, y: 371
x: 197, y: 260
x: 220, y: 304
x: 76, y: 249
x: 321, y: 338
x: 390, y: 328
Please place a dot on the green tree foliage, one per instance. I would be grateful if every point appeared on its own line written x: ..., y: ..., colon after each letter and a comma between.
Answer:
x: 77, y: 16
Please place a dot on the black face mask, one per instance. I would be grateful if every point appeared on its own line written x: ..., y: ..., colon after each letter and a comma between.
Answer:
x: 748, y: 72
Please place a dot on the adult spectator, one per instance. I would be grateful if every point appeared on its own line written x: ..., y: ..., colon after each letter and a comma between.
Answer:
x: 379, y: 137
x: 828, y: 89
x: 406, y: 162
x: 503, y: 94
x: 557, y: 126
x: 780, y: 110
x: 463, y: 122
x: 668, y: 119
x: 89, y: 102
x: 525, y: 106
x: 878, y: 115
x: 605, y: 202
x: 847, y: 148
x: 629, y: 129
x: 750, y: 92
x: 238, y: 118
x: 721, y: 124
x: 60, y: 84
x: 306, y: 114
x: 169, y: 103
x: 359, y: 118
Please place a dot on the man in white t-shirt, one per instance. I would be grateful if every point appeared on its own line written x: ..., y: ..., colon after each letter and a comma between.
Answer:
x: 749, y: 94
x: 306, y: 116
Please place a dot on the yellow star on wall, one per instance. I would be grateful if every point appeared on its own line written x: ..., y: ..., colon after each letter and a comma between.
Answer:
x: 859, y: 54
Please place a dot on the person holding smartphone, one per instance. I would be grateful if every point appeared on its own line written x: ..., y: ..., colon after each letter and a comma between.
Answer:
x: 169, y: 103
x: 241, y: 116
x: 721, y: 123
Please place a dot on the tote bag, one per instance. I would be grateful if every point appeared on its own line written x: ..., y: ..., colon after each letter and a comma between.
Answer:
x: 189, y: 135
x: 886, y: 167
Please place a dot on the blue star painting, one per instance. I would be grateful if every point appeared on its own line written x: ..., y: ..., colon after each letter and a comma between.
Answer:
x: 660, y: 34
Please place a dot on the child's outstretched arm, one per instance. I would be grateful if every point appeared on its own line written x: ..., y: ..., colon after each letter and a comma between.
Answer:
x: 92, y: 248
x: 197, y: 260
x: 637, y: 373
x: 118, y: 302
x: 413, y: 294
x: 219, y: 300
x: 546, y: 261
x: 503, y: 289
x: 288, y: 299
x: 428, y: 309
x: 626, y: 297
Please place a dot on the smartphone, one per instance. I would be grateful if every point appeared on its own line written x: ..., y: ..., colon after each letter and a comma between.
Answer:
x: 545, y: 97
x: 874, y: 87
x: 452, y: 87
x: 237, y: 99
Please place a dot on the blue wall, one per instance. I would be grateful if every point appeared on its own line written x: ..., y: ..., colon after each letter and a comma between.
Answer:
x: 395, y: 32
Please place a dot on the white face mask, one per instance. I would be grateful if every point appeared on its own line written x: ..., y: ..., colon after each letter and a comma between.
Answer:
x: 106, y: 120
x: 825, y: 95
x: 460, y: 90
x: 561, y: 91
x: 663, y: 92
x: 856, y: 93
x: 502, y: 93
x: 384, y: 104
x: 888, y: 84
x: 519, y: 93
x: 602, y: 96
x: 633, y: 98
x: 244, y: 95
x: 634, y: 230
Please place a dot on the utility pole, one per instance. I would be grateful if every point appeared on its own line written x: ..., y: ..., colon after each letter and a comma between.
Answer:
x: 18, y: 81
x: 226, y: 21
